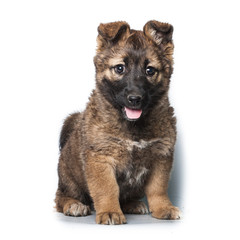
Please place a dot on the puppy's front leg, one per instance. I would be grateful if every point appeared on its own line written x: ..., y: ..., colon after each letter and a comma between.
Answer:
x: 104, y: 189
x: 156, y: 191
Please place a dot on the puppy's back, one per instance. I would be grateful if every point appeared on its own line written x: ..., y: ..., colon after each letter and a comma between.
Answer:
x: 69, y: 125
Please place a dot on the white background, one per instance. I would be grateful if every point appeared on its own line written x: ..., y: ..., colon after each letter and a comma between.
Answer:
x: 47, y: 72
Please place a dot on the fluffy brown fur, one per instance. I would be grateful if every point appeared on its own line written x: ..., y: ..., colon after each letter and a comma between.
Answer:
x: 108, y: 162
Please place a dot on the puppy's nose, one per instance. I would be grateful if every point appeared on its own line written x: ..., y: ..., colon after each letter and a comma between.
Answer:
x: 134, y: 99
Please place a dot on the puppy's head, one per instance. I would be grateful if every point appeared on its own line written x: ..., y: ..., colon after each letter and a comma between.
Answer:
x: 133, y: 68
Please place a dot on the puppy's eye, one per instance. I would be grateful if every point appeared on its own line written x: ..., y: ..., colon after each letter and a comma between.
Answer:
x: 150, y: 71
x: 119, y: 69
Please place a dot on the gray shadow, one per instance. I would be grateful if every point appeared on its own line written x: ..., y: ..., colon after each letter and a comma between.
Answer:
x: 175, y: 188
x: 131, y: 219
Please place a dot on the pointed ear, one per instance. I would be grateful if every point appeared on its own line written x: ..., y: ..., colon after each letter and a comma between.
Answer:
x: 111, y: 33
x: 160, y: 33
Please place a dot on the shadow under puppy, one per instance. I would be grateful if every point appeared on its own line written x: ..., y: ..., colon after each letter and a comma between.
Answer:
x: 121, y: 147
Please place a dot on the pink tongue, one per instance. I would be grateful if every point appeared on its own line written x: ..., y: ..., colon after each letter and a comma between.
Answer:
x: 132, y: 113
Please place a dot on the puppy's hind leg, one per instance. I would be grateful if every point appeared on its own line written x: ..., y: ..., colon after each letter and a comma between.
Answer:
x: 71, y: 207
x: 134, y: 207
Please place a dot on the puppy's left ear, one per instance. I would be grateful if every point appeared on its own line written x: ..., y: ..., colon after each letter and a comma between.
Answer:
x: 160, y: 33
x: 111, y: 33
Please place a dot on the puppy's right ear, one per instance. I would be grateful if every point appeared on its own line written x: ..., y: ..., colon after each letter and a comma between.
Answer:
x: 160, y: 33
x: 111, y: 33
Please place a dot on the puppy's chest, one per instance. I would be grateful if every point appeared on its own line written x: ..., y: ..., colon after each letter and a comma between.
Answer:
x: 133, y: 174
x: 134, y: 168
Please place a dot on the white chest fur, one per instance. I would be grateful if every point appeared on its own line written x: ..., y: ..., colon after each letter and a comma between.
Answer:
x: 141, y: 144
x: 135, y: 176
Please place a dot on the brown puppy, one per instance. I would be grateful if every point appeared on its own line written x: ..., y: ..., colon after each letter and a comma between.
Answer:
x: 121, y: 147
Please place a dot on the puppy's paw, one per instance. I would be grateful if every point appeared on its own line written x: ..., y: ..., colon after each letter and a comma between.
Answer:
x: 76, y: 208
x: 110, y: 218
x: 167, y: 213
x: 135, y: 207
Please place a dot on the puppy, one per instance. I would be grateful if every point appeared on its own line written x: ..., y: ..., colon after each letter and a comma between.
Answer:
x: 121, y: 147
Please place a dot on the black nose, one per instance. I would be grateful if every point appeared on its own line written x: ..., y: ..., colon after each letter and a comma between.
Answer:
x: 134, y: 99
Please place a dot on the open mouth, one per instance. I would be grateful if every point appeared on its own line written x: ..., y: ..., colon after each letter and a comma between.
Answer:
x: 132, y: 114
